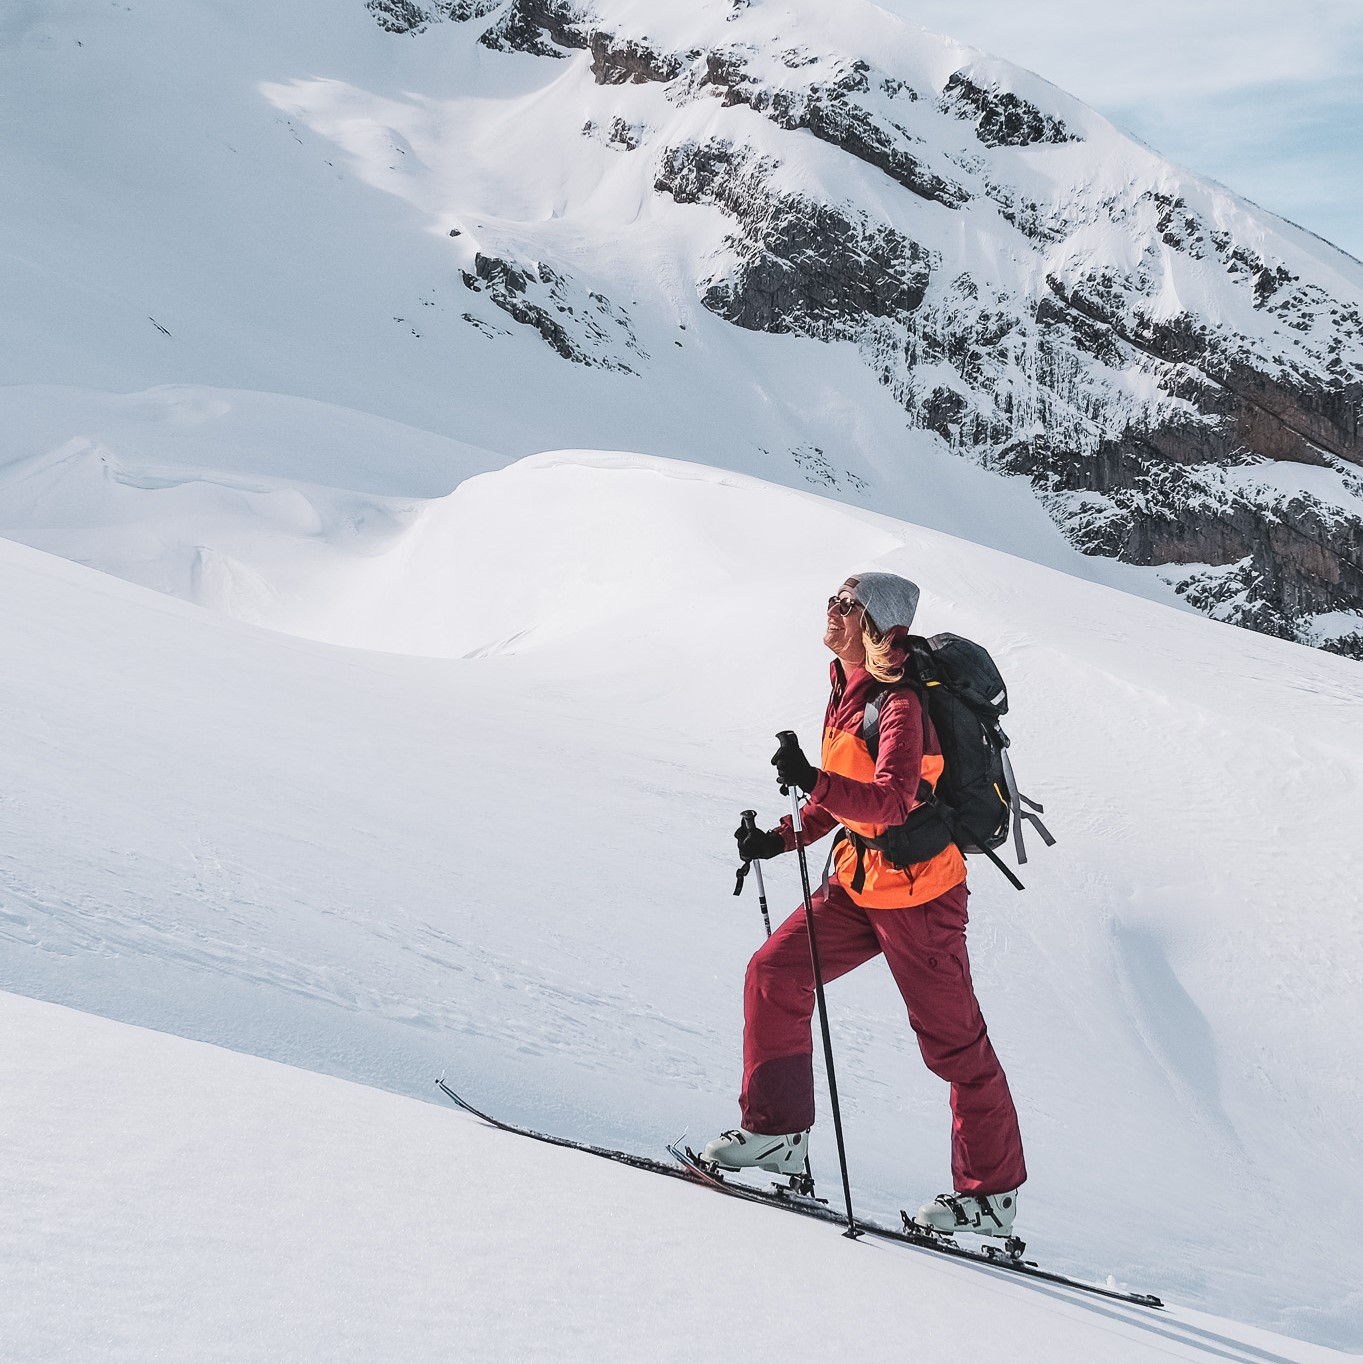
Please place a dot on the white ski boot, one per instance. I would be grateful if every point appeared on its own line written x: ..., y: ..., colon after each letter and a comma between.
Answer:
x: 741, y: 1150
x: 977, y: 1214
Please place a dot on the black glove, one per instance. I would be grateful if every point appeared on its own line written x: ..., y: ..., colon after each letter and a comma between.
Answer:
x: 794, y: 769
x: 756, y: 845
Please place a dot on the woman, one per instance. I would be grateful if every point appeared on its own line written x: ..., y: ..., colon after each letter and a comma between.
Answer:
x: 915, y: 916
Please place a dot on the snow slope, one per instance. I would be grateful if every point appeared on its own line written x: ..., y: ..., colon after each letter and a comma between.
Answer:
x: 238, y: 1210
x: 504, y: 848
x: 234, y: 199
x: 221, y: 497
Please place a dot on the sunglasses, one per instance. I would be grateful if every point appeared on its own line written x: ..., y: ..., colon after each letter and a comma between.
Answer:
x: 844, y: 606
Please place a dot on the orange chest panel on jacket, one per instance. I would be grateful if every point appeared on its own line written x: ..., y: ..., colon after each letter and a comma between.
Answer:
x: 885, y: 886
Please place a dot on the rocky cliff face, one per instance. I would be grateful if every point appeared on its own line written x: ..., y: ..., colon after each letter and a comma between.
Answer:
x: 1179, y: 377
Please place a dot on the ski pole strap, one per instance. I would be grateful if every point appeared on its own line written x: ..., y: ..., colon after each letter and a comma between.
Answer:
x: 741, y: 877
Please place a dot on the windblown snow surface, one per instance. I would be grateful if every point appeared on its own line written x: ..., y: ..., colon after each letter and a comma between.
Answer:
x: 467, y: 806
x: 332, y: 741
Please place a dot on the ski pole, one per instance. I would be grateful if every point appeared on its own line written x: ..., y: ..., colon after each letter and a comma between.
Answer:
x: 787, y: 740
x: 749, y: 818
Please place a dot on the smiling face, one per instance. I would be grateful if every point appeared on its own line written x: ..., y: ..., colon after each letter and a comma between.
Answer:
x: 842, y: 633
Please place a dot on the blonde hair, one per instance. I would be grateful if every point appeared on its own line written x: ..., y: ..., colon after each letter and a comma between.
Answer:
x: 880, y: 652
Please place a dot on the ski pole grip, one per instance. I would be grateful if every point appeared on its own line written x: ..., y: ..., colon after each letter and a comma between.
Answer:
x: 749, y: 821
x: 785, y: 741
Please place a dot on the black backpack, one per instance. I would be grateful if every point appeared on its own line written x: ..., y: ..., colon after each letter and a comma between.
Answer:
x: 976, y: 799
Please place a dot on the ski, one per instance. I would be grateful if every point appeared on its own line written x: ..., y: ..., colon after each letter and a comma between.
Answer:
x: 657, y: 1167
x: 794, y: 1197
x: 1005, y: 1256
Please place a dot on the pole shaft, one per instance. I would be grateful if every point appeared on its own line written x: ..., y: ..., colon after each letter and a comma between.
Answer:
x: 749, y: 818
x: 762, y: 897
x: 823, y: 1008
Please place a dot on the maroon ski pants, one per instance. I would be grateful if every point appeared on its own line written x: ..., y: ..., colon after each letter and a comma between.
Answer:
x: 924, y: 946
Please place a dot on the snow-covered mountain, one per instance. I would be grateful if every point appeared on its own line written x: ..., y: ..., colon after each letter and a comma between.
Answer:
x: 1028, y: 284
x: 466, y: 800
x: 803, y: 241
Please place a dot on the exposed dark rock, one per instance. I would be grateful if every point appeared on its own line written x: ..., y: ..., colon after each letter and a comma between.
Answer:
x: 1035, y: 221
x: 544, y: 298
x: 1090, y: 333
x: 714, y: 172
x: 462, y: 11
x: 815, y: 466
x: 1178, y: 226
x: 542, y: 28
x: 802, y: 266
x: 407, y: 16
x: 1271, y: 415
x: 944, y: 412
x: 625, y: 137
x: 1300, y: 558
x: 399, y: 16
x: 833, y: 115
x: 1161, y: 502
x: 829, y: 111
x: 1349, y: 645
x: 1001, y: 118
x: 615, y: 62
x: 547, y: 27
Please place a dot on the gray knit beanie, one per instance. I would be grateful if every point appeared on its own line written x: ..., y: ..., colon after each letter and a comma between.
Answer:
x: 889, y: 599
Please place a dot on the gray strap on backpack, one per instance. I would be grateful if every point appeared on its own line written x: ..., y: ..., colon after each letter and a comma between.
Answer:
x: 1017, y: 800
x: 828, y: 864
x: 870, y: 725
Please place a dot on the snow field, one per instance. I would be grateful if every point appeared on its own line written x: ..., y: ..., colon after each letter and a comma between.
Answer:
x: 514, y: 860
x: 167, y: 1199
x: 445, y: 774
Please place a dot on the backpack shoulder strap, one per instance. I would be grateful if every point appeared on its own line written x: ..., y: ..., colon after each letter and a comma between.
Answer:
x: 870, y: 719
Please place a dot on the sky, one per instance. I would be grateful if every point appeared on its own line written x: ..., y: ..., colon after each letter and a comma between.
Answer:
x: 1264, y: 97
